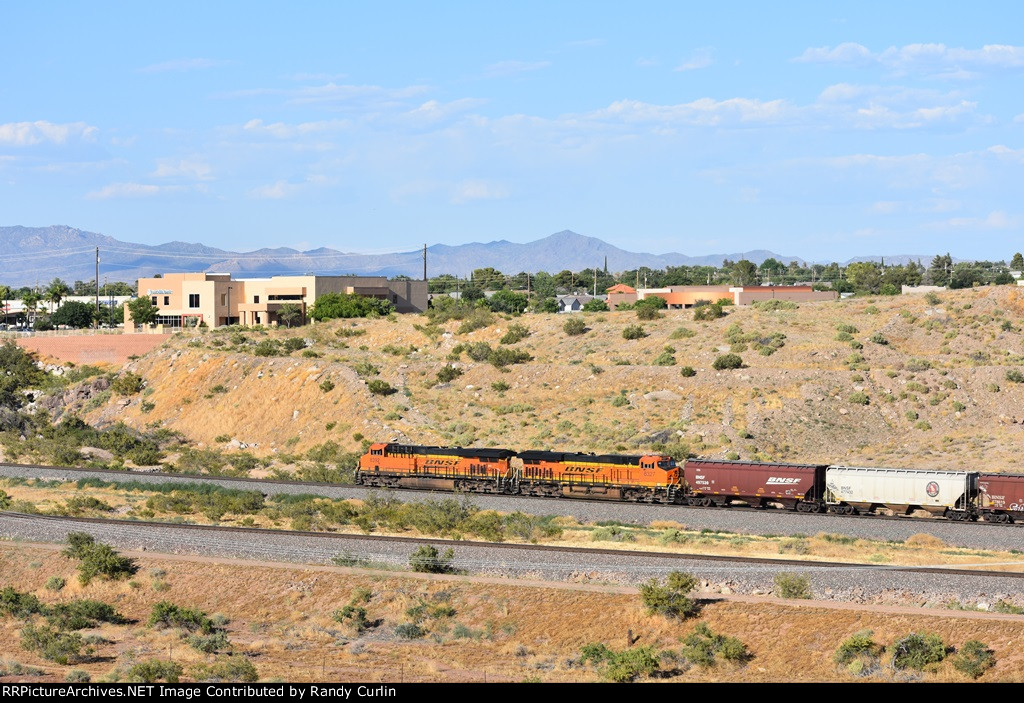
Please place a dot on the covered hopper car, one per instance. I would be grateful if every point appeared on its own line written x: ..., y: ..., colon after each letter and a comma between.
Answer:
x: 794, y: 486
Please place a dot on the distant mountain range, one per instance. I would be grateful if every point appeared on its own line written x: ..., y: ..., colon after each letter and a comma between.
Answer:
x: 28, y: 254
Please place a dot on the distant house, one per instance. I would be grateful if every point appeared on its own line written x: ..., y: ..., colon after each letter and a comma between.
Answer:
x: 621, y: 289
x: 573, y: 303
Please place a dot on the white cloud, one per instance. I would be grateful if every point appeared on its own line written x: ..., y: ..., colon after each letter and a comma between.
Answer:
x: 433, y: 110
x: 997, y: 219
x: 512, y: 68
x: 130, y: 190
x: 701, y: 58
x: 179, y: 65
x: 194, y: 169
x: 282, y: 130
x: 477, y: 190
x: 276, y: 191
x: 645, y: 62
x: 702, y: 112
x: 936, y: 60
x: 31, y: 133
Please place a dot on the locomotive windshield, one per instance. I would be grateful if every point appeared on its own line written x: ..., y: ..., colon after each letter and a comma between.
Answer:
x: 669, y: 464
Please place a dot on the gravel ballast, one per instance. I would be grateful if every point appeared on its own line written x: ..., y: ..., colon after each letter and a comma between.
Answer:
x: 862, y: 584
x: 761, y: 522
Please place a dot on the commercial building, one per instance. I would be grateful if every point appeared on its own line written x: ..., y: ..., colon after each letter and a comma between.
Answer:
x: 217, y: 299
x: 681, y: 297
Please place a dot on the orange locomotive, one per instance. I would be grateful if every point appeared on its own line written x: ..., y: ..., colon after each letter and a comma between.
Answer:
x: 652, y: 478
x: 443, y: 468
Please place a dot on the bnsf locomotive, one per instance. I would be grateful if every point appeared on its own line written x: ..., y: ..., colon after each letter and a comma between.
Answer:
x: 657, y: 478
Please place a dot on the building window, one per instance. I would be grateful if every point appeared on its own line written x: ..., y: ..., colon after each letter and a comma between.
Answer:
x: 193, y: 300
x: 255, y: 299
x: 154, y: 300
x: 167, y: 300
x: 222, y: 299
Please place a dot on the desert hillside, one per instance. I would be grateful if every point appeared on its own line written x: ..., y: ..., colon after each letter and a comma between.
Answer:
x: 884, y: 381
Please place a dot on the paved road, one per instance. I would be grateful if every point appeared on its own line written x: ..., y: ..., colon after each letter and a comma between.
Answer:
x: 761, y: 522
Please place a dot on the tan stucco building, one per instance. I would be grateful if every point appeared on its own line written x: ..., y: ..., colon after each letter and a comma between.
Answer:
x: 217, y: 299
x: 681, y: 297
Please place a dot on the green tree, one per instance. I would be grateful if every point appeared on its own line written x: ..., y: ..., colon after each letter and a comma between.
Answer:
x: 142, y: 310
x: 55, y: 292
x: 73, y: 314
x: 331, y: 306
x: 488, y: 278
x: 864, y: 276
x: 672, y: 598
x: 940, y: 270
x: 508, y: 301
x: 289, y: 314
x: 744, y: 273
x: 1017, y: 263
x: 595, y: 305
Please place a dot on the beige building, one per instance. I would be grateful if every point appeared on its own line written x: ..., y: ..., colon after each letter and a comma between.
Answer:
x: 681, y: 297
x: 217, y: 299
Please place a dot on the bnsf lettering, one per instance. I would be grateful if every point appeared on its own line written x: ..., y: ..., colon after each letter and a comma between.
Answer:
x: 782, y: 480
x: 441, y: 462
x: 582, y: 469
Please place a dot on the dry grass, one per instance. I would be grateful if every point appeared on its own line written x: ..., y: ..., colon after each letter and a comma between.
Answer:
x: 281, y: 618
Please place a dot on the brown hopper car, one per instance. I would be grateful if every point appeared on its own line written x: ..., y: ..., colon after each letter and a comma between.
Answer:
x: 1001, y: 497
x: 795, y: 486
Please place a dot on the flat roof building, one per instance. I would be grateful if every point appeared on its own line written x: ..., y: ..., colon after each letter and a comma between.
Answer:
x: 217, y: 299
x: 681, y: 297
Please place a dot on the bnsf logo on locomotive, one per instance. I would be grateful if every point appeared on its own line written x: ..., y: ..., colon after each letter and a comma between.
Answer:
x: 441, y: 462
x: 581, y: 469
x: 782, y: 480
x: 932, y: 489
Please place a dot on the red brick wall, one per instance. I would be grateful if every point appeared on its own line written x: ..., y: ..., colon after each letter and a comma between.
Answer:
x: 94, y: 349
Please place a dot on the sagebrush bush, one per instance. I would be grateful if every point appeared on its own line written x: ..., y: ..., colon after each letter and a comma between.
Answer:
x: 671, y: 598
x: 974, y: 659
x: 790, y: 585
x: 574, y: 326
x: 918, y: 651
x: 633, y: 332
x: 728, y: 361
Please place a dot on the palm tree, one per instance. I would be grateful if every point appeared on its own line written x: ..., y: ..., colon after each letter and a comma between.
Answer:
x: 31, y: 301
x: 56, y: 291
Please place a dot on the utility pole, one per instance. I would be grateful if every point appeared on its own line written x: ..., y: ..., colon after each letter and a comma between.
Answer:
x: 424, y: 262
x: 595, y: 282
x: 96, y: 322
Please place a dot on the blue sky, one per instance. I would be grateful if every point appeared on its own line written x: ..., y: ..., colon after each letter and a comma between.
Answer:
x: 824, y: 130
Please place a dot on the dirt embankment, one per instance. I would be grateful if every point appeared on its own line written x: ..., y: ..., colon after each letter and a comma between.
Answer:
x: 910, y: 383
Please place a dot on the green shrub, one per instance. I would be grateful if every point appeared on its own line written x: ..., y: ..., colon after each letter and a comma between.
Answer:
x: 707, y: 313
x: 682, y: 333
x: 209, y: 644
x: 503, y: 356
x: 294, y: 344
x: 500, y: 386
x: 688, y: 371
x: 574, y: 326
x: 18, y: 604
x: 80, y: 614
x: 409, y: 631
x: 879, y: 338
x: 859, y: 653
x: 235, y: 668
x: 327, y: 385
x: 790, y: 585
x: 55, y: 583
x: 127, y: 384
x: 365, y: 368
x: 859, y: 398
x: 774, y: 304
x: 932, y: 299
x: 52, y: 645
x: 515, y: 333
x: 379, y: 387
x: 479, y: 351
x: 728, y: 361
x: 671, y: 598
x: 620, y: 401
x: 154, y: 670
x: 426, y: 559
x: 77, y: 676
x: 666, y: 358
x: 167, y: 614
x: 974, y: 659
x: 448, y: 374
x: 633, y: 332
x: 702, y: 646
x: 918, y: 651
x: 1015, y: 376
x: 622, y: 667
x: 647, y: 312
x: 267, y: 347
x: 97, y: 559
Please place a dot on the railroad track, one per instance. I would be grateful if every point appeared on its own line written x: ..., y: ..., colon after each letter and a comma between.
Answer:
x: 495, y: 547
x: 198, y: 478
